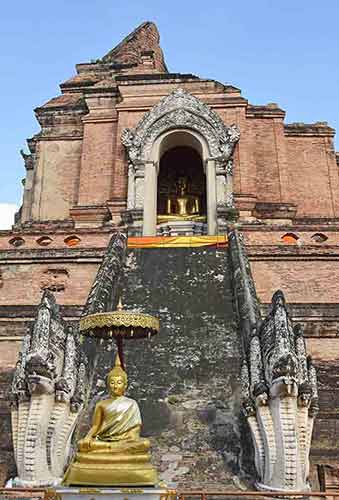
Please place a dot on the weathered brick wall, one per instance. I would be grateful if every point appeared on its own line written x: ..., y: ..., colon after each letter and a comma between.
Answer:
x: 96, y: 175
x: 265, y: 154
x: 31, y: 249
x: 245, y: 164
x: 298, y: 280
x: 269, y: 240
x: 24, y: 283
x: 273, y: 163
x: 313, y: 176
x: 56, y: 179
x: 325, y: 443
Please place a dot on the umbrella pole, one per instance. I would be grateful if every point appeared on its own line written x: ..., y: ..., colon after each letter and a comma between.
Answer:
x: 119, y: 340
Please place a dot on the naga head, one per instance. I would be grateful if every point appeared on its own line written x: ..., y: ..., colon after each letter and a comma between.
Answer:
x: 286, y: 366
x: 48, y: 300
x: 260, y: 393
x: 76, y: 404
x: 284, y: 375
x: 62, y: 391
x: 38, y: 384
x: 278, y: 299
x: 37, y: 364
x: 305, y: 394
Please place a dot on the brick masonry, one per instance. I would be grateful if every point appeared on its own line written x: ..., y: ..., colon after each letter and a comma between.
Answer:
x: 76, y: 188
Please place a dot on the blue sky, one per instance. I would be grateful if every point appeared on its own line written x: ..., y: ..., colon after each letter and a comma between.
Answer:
x: 284, y: 51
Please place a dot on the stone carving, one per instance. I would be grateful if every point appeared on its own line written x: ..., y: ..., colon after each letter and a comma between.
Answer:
x: 280, y: 400
x: 47, y: 395
x: 229, y: 201
x: 131, y: 187
x: 104, y: 293
x: 54, y: 279
x: 52, y: 379
x: 229, y: 167
x: 28, y: 160
x: 178, y: 110
x: 279, y: 383
x: 243, y: 284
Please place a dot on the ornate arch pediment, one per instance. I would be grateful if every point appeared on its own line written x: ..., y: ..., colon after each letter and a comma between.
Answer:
x: 180, y: 110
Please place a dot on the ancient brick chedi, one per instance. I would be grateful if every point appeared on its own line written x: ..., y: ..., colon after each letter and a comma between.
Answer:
x: 129, y: 145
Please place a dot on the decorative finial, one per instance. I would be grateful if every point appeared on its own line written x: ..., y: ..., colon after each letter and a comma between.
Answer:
x: 118, y: 369
x: 117, y: 360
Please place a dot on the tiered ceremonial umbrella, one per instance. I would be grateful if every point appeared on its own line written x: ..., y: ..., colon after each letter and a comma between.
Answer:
x: 120, y: 325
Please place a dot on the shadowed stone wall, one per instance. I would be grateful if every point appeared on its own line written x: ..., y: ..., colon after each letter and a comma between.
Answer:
x: 186, y: 378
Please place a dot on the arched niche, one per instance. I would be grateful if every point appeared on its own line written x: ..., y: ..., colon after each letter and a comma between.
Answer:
x: 180, y: 165
x: 180, y: 143
x: 178, y: 120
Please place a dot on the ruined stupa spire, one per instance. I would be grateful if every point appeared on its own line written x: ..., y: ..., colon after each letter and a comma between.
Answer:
x: 139, y: 47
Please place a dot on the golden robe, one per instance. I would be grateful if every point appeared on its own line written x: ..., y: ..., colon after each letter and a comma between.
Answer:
x: 122, y: 456
x: 120, y: 416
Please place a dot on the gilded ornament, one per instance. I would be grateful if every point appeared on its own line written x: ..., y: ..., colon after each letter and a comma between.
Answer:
x: 113, y: 453
x: 120, y: 320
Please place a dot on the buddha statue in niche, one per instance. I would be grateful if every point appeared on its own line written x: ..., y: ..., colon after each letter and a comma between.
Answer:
x: 113, y: 453
x: 183, y: 205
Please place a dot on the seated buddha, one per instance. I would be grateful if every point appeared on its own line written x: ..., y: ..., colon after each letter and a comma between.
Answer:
x: 183, y: 205
x: 113, y: 453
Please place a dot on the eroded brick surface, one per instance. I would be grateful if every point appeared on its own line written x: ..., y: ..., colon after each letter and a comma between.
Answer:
x: 285, y: 182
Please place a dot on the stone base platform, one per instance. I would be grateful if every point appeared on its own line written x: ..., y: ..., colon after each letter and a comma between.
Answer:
x: 92, y: 493
x: 182, y: 228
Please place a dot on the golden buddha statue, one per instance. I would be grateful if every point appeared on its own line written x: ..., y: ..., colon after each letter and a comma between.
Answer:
x: 113, y: 453
x: 182, y: 206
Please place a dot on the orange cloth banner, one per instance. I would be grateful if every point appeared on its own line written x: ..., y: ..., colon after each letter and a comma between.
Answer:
x: 176, y: 241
